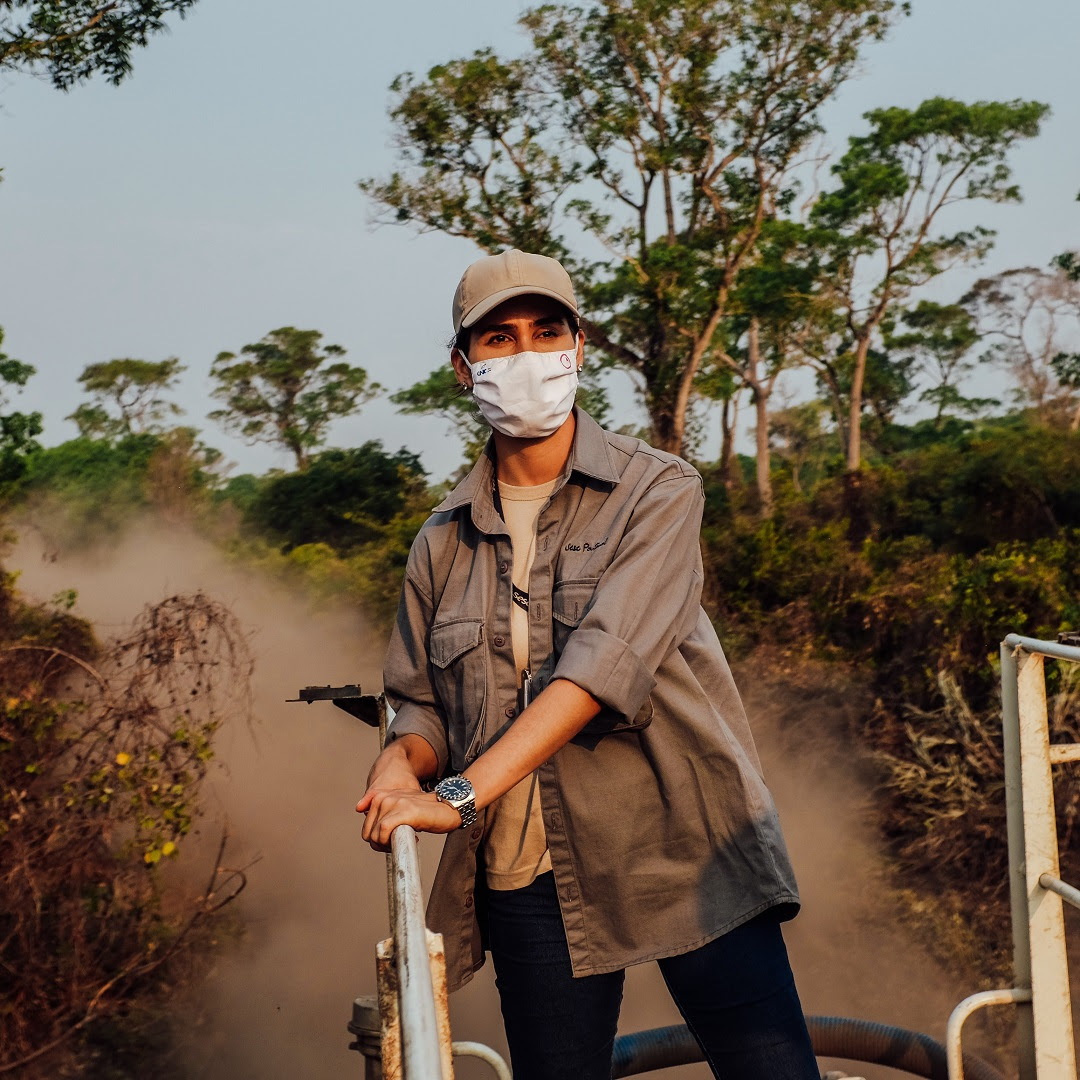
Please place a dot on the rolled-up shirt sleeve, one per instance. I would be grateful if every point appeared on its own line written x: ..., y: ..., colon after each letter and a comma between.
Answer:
x: 407, y: 674
x: 645, y: 603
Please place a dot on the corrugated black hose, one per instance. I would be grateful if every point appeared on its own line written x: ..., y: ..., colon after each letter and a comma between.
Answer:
x: 833, y: 1037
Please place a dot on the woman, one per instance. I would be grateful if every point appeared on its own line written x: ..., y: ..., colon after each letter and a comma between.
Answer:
x: 553, y: 669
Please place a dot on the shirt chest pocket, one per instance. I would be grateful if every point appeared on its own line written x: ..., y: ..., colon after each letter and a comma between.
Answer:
x: 458, y: 658
x: 570, y: 601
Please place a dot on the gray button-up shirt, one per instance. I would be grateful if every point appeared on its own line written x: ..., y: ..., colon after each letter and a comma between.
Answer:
x: 662, y: 833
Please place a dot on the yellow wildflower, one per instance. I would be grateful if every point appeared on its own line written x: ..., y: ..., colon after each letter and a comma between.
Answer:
x: 122, y: 758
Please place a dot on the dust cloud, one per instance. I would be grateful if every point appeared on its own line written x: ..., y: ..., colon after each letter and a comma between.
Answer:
x: 276, y: 1002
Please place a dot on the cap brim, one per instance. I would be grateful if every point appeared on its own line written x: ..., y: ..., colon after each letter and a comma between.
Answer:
x: 478, y: 311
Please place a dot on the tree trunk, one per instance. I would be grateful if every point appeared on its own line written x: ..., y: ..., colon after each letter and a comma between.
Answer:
x: 1075, y: 425
x: 761, y: 453
x: 684, y: 387
x: 299, y: 451
x: 836, y: 403
x: 854, y: 454
x: 674, y: 440
x: 855, y: 509
x: 728, y: 418
x: 667, y: 435
x: 763, y: 474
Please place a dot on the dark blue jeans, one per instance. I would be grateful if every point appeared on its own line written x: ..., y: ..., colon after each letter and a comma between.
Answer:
x: 737, y: 995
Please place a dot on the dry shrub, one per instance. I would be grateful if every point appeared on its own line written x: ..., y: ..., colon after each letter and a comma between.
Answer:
x: 102, y: 751
x: 945, y: 812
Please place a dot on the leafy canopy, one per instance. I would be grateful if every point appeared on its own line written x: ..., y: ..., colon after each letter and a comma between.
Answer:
x: 18, y: 430
x: 126, y: 397
x: 341, y: 499
x: 71, y: 40
x: 892, y: 187
x: 643, y: 142
x: 286, y: 390
x: 939, y: 339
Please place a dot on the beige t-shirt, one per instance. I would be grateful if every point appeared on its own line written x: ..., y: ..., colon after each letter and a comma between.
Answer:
x: 515, y: 845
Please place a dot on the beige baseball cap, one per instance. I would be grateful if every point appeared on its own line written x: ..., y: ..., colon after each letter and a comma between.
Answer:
x: 495, y: 278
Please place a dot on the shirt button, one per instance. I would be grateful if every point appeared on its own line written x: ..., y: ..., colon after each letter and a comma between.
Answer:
x: 503, y: 567
x: 468, y: 901
x: 476, y: 834
x: 510, y: 711
x: 500, y: 641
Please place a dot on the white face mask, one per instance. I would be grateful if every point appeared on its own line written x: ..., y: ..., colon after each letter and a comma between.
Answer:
x: 527, y: 395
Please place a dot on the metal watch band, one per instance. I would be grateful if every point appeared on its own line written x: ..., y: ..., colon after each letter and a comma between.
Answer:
x: 466, y: 806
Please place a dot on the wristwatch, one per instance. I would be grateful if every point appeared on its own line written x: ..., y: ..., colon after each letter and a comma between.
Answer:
x: 458, y: 792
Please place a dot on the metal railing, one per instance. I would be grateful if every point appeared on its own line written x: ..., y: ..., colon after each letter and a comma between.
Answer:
x: 1040, y: 989
x: 423, y: 1040
x: 403, y: 1033
x: 411, y: 969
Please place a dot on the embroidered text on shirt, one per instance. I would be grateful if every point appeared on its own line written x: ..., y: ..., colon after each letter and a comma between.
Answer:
x: 586, y: 546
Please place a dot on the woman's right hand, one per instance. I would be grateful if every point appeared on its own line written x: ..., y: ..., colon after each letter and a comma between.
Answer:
x: 391, y: 771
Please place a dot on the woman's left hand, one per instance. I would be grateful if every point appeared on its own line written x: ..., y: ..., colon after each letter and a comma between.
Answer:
x: 422, y: 810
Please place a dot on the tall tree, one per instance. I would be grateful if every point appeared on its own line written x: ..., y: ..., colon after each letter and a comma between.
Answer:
x: 126, y: 397
x: 1031, y: 318
x: 663, y: 133
x: 287, y: 389
x: 893, y: 186
x: 18, y: 430
x: 70, y: 40
x: 774, y: 308
x: 797, y: 435
x: 939, y: 339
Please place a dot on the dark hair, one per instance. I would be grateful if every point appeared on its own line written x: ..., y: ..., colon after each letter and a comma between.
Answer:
x: 461, y: 340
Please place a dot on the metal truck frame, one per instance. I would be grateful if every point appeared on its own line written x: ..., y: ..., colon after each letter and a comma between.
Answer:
x: 404, y: 1031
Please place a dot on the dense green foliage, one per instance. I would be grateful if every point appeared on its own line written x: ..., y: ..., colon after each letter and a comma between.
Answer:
x: 341, y: 499
x: 71, y: 40
x: 966, y: 531
x: 341, y: 528
x: 18, y: 430
x: 965, y: 535
x: 84, y: 490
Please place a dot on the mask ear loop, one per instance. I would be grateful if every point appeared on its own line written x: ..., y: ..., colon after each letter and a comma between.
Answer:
x: 461, y: 382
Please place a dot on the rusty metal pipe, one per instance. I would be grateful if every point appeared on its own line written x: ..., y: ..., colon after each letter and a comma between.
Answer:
x: 420, y: 1046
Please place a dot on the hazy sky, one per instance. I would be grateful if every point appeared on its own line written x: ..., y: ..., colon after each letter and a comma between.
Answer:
x: 212, y: 197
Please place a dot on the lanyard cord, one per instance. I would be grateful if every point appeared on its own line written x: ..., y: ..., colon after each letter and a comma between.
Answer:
x: 521, y: 597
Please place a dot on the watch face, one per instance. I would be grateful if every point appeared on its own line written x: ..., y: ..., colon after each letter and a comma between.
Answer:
x: 454, y: 789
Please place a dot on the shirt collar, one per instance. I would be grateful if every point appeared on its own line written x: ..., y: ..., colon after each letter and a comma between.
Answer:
x: 590, y: 456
